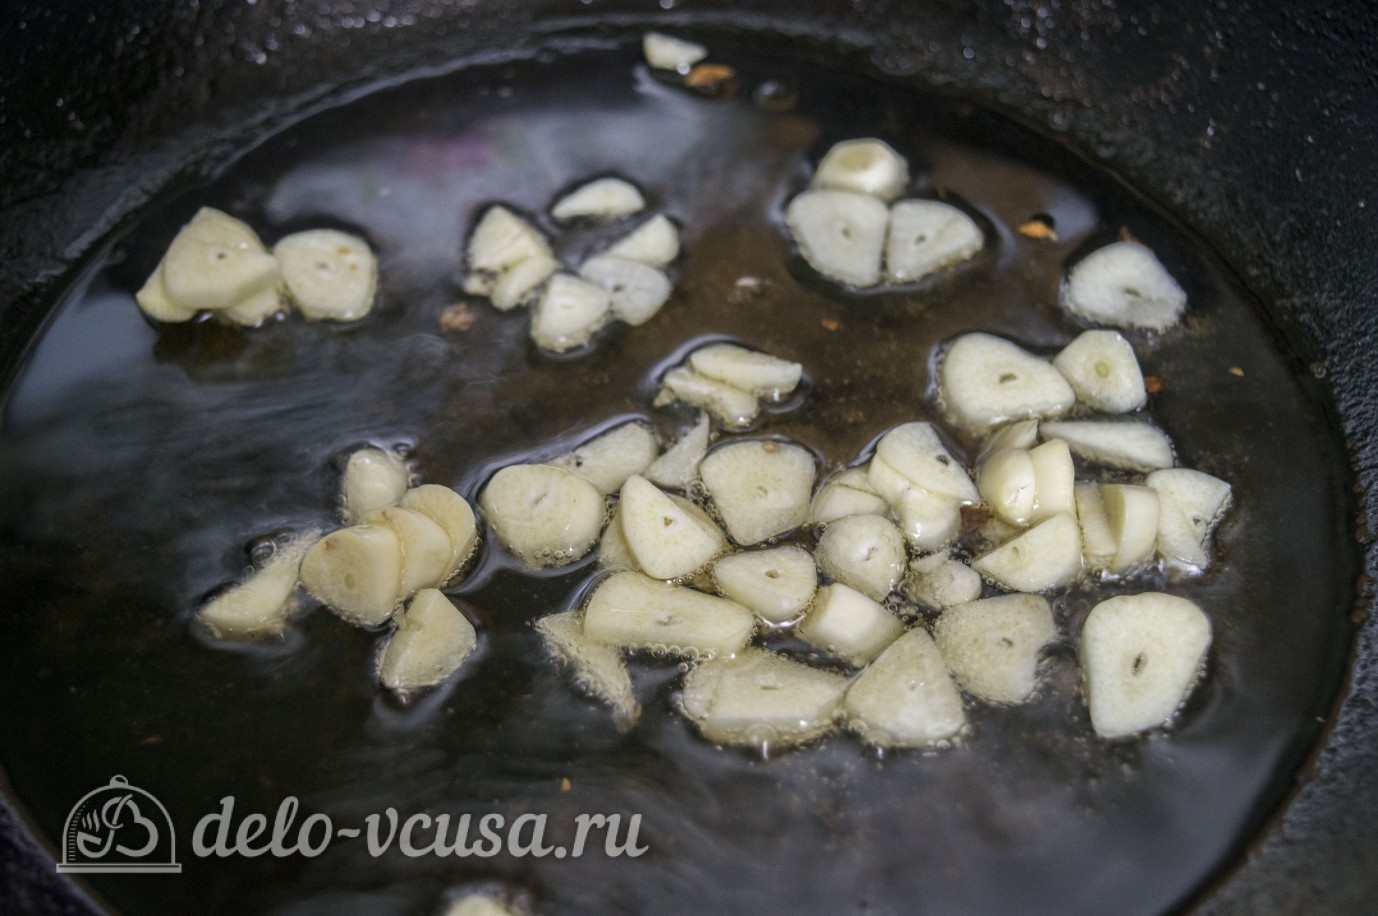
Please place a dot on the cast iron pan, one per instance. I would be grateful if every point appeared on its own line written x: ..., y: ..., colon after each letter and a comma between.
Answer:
x: 1252, y: 126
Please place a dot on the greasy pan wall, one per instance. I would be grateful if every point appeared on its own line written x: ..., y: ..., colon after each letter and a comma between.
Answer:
x: 1253, y: 123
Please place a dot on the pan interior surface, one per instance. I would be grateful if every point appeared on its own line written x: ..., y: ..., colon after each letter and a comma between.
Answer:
x: 138, y: 466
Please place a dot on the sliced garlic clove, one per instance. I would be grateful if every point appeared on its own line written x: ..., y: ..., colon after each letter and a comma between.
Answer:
x: 329, y: 274
x: 846, y: 493
x: 750, y: 370
x: 1019, y: 434
x: 357, y: 573
x: 519, y: 283
x: 374, y: 478
x: 759, y: 699
x: 679, y: 466
x: 665, y: 52
x: 255, y: 311
x: 841, y: 234
x: 1054, y: 479
x: 925, y: 236
x: 732, y: 407
x: 1103, y: 371
x: 258, y: 606
x: 568, y: 313
x: 153, y: 301
x: 865, y: 166
x: 602, y: 198
x: 502, y: 239
x: 905, y: 698
x: 613, y: 552
x: 655, y: 243
x: 1008, y: 485
x: 1129, y: 446
x: 432, y: 639
x: 635, y: 290
x: 665, y: 536
x: 777, y: 583
x: 634, y: 611
x: 214, y: 262
x: 1132, y: 514
x: 1046, y: 556
x: 927, y: 520
x: 760, y: 489
x: 986, y: 380
x: 848, y: 624
x: 1190, y: 506
x: 545, y: 516
x: 452, y: 513
x: 887, y: 482
x: 425, y: 547
x: 865, y: 552
x: 598, y: 669
x: 937, y: 581
x: 1124, y: 285
x: 607, y: 460
x: 1098, y: 541
x: 992, y: 645
x: 1140, y: 657
x: 916, y: 452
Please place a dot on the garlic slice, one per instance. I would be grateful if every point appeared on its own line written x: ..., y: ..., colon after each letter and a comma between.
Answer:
x: 636, y: 291
x: 259, y: 605
x: 759, y: 698
x: 777, y: 583
x: 1008, y: 485
x: 865, y: 552
x: 1098, y: 542
x: 1132, y: 514
x: 454, y: 515
x: 1190, y: 506
x: 925, y: 236
x: 1129, y: 446
x: 917, y: 453
x: 760, y: 489
x: 1123, y: 284
x: 665, y: 52
x: 519, y: 283
x: 1045, y: 556
x: 906, y: 698
x: 329, y: 274
x: 215, y: 261
x: 374, y: 478
x: 545, y: 516
x: 608, y: 459
x: 654, y: 243
x: 679, y: 466
x: 602, y: 198
x: 425, y: 547
x: 357, y: 573
x: 985, y: 380
x: 667, y: 537
x: 927, y: 520
x: 598, y: 669
x: 865, y: 166
x: 501, y: 239
x: 1140, y: 656
x: 846, y: 493
x: 632, y: 610
x: 1054, y: 479
x: 848, y: 624
x: 1102, y: 369
x: 432, y: 639
x: 938, y: 581
x: 841, y: 234
x: 732, y: 407
x: 568, y: 313
x: 750, y: 370
x: 992, y: 645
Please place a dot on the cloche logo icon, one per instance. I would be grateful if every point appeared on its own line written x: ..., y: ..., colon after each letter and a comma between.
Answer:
x: 118, y: 828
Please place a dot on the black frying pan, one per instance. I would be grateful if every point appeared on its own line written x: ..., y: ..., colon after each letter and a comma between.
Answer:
x: 1253, y: 126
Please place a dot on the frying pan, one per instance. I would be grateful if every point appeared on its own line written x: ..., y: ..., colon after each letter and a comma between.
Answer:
x: 1252, y: 123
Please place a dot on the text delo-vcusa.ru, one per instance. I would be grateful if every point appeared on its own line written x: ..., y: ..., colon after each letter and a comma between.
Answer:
x: 416, y: 835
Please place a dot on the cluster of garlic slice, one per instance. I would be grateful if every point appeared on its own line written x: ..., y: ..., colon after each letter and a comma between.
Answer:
x: 925, y: 582
x: 851, y: 229
x: 403, y: 544
x: 217, y: 264
x: 511, y: 263
x: 729, y: 382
